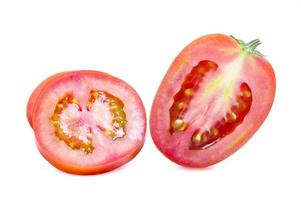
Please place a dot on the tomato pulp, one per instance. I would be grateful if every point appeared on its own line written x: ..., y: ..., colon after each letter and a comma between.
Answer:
x: 87, y: 122
x: 215, y: 95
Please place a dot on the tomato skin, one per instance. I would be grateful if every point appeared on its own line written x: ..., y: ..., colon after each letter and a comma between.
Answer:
x: 87, y: 171
x: 33, y: 111
x: 35, y: 94
x: 221, y: 49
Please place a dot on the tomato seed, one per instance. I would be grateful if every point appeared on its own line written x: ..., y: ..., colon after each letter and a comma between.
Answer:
x: 214, y: 131
x: 196, y: 138
x: 181, y: 105
x: 188, y: 92
x: 179, y: 124
x: 231, y: 117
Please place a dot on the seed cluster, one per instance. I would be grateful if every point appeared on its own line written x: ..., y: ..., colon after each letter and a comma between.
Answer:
x: 84, y: 143
x: 73, y: 141
x: 234, y: 117
x: 185, y: 94
x: 116, y: 108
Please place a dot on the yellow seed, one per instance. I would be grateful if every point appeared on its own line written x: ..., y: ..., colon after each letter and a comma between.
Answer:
x: 246, y: 93
x: 54, y: 117
x: 89, y: 104
x: 87, y: 142
x: 109, y: 133
x: 60, y: 106
x: 122, y: 123
x: 232, y: 116
x: 197, y: 138
x: 74, y: 101
x: 181, y: 105
x: 112, y: 103
x: 89, y: 150
x: 214, y: 131
x: 241, y: 105
x: 179, y: 125
x: 72, y: 145
x: 204, y: 137
x: 183, y: 127
x: 54, y: 123
x: 95, y: 95
x: 188, y: 92
x: 120, y: 113
x: 118, y: 118
x: 114, y: 107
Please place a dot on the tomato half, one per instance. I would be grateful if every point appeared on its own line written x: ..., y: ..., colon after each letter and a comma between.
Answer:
x: 215, y: 95
x: 87, y: 122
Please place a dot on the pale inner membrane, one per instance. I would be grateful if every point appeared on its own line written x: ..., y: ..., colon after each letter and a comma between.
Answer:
x: 216, y: 94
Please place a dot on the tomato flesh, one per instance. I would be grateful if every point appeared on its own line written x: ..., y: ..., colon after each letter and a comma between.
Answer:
x: 34, y: 96
x: 214, y: 97
x: 87, y: 122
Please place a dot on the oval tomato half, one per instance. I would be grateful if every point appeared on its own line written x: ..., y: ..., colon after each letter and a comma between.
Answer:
x: 216, y: 94
x: 87, y: 122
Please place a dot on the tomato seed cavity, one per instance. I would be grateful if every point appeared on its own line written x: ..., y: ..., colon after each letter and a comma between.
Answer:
x: 185, y: 94
x: 235, y: 116
x: 78, y: 135
x: 202, y: 139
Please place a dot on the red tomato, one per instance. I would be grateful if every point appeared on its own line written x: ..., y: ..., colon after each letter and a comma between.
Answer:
x: 216, y: 94
x: 87, y: 122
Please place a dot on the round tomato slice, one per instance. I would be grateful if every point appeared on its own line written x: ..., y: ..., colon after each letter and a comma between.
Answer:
x: 216, y: 94
x: 87, y: 122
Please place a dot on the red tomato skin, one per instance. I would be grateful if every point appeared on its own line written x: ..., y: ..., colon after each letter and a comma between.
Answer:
x: 35, y: 94
x: 32, y: 109
x: 221, y: 49
x: 87, y: 171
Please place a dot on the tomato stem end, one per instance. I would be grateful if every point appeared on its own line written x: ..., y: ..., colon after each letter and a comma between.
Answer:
x: 250, y: 47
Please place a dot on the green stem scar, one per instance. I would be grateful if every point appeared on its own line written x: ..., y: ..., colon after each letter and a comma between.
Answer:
x: 250, y: 47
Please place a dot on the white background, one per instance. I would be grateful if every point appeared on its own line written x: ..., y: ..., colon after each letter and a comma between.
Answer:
x: 137, y: 41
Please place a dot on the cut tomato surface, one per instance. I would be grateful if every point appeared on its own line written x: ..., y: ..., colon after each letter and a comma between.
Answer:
x: 216, y: 94
x: 87, y: 122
